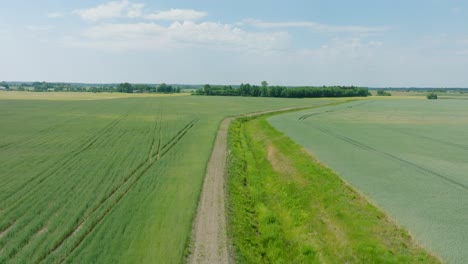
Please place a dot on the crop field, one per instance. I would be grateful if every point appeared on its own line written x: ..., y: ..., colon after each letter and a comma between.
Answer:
x: 409, y: 157
x: 285, y: 207
x: 67, y: 96
x: 108, y: 181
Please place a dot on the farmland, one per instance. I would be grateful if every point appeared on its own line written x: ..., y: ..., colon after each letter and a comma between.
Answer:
x: 409, y: 157
x: 286, y: 207
x: 107, y: 181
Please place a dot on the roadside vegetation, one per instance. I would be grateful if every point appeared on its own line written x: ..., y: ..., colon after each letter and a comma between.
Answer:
x: 286, y: 207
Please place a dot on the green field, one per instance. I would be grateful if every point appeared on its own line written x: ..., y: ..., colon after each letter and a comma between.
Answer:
x: 285, y: 207
x: 107, y: 181
x: 409, y: 157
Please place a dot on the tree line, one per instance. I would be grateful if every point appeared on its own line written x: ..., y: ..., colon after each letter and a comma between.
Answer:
x: 74, y: 87
x: 146, y: 88
x: 281, y: 91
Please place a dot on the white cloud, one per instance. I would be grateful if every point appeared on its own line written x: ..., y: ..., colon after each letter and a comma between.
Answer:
x: 177, y: 15
x: 151, y: 36
x: 125, y: 8
x: 54, y: 14
x: 111, y: 10
x: 319, y: 27
x: 353, y: 48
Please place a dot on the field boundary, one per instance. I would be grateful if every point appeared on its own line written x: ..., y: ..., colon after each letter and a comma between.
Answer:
x: 209, y: 240
x: 272, y: 209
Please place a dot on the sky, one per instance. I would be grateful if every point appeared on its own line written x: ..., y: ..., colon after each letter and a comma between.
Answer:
x: 387, y: 43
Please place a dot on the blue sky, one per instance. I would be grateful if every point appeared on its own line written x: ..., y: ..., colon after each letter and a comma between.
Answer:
x: 369, y: 43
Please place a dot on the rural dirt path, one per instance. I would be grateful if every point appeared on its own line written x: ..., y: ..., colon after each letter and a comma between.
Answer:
x: 209, y: 234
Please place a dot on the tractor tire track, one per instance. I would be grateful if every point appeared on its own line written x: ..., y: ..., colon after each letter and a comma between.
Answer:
x: 175, y: 139
x: 7, y: 144
x: 144, y: 166
x: 395, y: 158
x: 74, y: 152
x: 37, y: 181
x: 31, y: 205
x: 153, y: 133
x: 304, y: 117
x: 455, y: 145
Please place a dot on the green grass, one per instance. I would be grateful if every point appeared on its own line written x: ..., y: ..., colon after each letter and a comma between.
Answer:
x: 285, y: 207
x: 107, y: 181
x: 409, y: 157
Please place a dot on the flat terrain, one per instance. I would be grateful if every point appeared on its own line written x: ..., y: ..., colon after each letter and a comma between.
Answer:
x: 73, y: 96
x: 209, y: 236
x: 409, y: 157
x: 107, y: 181
x: 285, y: 207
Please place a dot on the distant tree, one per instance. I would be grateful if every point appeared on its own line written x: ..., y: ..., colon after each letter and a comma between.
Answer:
x: 164, y: 88
x: 255, y: 91
x: 125, y: 88
x: 383, y: 93
x: 40, y: 86
x: 264, y: 84
x: 431, y: 96
x: 6, y: 85
x: 264, y: 91
x: 142, y: 87
x: 207, y: 89
x: 282, y: 91
x: 245, y: 89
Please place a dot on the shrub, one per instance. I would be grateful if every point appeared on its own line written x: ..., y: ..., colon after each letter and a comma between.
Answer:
x: 383, y: 93
x: 431, y: 95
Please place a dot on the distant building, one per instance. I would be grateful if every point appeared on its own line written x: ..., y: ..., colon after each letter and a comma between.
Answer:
x: 136, y: 91
x: 2, y: 88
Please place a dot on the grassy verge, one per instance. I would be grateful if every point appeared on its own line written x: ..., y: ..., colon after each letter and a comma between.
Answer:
x: 285, y: 207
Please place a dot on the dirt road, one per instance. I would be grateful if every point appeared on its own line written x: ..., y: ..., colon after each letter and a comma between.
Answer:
x: 209, y: 236
x: 209, y: 232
